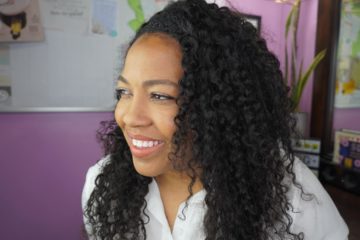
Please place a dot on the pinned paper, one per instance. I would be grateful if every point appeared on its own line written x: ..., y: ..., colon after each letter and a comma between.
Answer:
x: 104, y: 17
x: 66, y: 15
x: 20, y: 21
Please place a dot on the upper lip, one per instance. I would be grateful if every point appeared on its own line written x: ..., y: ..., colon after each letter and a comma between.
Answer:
x: 140, y: 137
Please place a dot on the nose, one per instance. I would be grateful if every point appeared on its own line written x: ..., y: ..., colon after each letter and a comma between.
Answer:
x: 136, y: 113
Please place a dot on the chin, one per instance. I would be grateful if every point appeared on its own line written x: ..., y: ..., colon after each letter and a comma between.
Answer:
x: 146, y: 171
x: 149, y: 168
x: 143, y: 172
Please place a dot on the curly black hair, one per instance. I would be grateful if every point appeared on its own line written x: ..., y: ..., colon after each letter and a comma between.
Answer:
x: 234, y: 103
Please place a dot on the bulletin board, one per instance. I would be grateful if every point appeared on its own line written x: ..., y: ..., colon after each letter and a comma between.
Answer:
x: 75, y: 66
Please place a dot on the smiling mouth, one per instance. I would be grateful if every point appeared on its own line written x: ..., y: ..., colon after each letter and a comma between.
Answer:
x: 144, y: 144
x: 142, y: 147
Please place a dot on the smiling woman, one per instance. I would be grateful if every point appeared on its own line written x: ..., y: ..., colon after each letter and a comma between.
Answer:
x: 200, y: 146
x: 147, y: 90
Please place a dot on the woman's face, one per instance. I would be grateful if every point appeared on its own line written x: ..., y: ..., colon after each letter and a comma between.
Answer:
x: 148, y: 88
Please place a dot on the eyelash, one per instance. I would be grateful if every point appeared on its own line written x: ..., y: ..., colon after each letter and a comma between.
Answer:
x: 121, y: 92
x: 160, y: 97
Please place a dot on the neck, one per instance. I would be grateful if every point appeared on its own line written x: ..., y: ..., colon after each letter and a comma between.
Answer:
x: 174, y: 189
x: 177, y: 183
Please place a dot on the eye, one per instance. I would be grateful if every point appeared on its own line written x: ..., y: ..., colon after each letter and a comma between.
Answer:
x: 122, y: 93
x: 160, y: 97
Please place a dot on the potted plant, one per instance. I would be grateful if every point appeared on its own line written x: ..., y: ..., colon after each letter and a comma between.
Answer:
x: 294, y: 74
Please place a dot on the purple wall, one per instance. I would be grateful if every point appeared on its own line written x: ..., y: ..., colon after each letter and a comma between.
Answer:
x: 44, y: 157
x: 346, y: 118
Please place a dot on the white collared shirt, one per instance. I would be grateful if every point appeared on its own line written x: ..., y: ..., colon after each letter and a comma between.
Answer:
x: 318, y: 219
x: 187, y: 218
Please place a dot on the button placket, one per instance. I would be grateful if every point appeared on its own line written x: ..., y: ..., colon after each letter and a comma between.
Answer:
x: 180, y: 221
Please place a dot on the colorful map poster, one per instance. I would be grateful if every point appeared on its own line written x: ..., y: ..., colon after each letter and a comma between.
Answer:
x: 347, y: 93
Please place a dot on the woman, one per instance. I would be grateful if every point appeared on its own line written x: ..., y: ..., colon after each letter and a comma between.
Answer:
x: 200, y: 146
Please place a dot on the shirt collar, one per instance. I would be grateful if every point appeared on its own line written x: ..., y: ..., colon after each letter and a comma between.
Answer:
x: 154, y: 202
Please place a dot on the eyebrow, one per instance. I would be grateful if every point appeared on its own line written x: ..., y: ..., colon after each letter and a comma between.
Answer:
x: 149, y: 83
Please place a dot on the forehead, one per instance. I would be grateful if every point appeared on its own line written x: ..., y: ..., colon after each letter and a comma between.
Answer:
x: 157, y: 38
x: 152, y: 43
x: 153, y: 56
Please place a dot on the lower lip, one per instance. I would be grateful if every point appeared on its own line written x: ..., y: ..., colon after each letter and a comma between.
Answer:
x: 144, y: 152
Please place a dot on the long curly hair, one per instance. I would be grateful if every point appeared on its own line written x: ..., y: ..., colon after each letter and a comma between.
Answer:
x: 235, y: 106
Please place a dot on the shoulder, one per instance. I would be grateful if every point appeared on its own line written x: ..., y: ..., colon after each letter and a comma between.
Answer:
x: 317, y: 218
x: 90, y: 178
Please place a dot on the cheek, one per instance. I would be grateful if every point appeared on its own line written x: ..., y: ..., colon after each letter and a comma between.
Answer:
x: 166, y: 122
x: 119, y: 113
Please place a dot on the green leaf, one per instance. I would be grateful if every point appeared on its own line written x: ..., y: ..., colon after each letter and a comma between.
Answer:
x: 300, y: 69
x: 296, y: 79
x: 289, y: 19
x: 304, y: 78
x: 286, y: 77
x: 288, y: 22
x: 293, y: 66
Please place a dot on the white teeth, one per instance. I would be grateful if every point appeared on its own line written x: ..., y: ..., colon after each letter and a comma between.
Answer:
x: 144, y: 144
